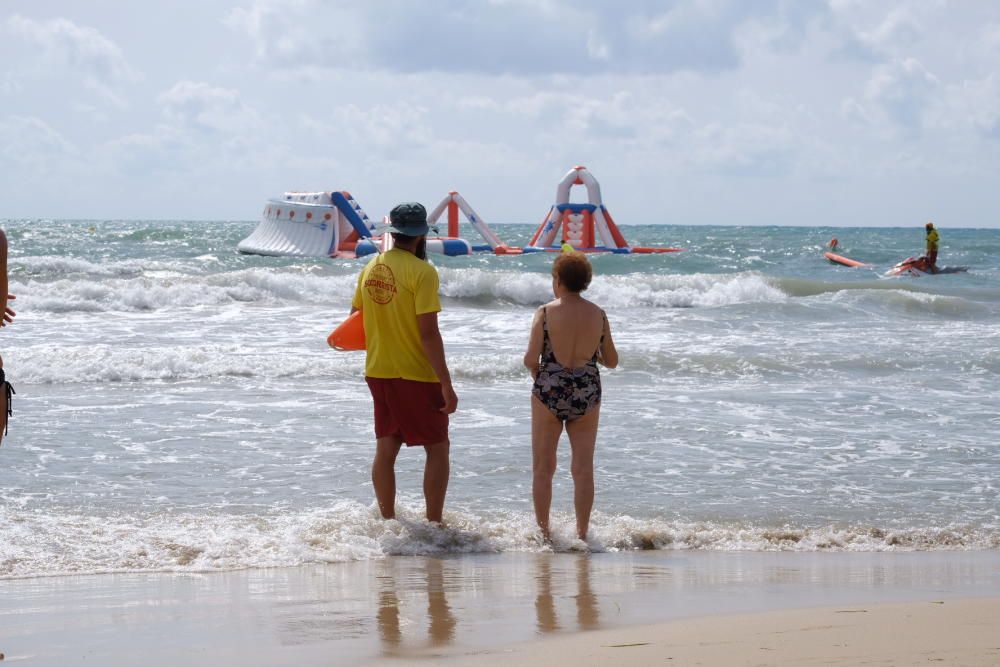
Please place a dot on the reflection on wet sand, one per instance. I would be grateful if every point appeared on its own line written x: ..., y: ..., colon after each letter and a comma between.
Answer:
x: 545, y: 606
x: 390, y: 616
x: 588, y: 616
x: 441, y: 622
x: 425, y: 607
x: 422, y: 610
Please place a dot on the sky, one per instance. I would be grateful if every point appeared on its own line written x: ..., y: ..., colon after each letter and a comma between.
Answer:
x: 771, y: 112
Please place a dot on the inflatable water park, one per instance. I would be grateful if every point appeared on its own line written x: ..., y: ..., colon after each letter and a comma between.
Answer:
x: 333, y: 224
x: 582, y: 224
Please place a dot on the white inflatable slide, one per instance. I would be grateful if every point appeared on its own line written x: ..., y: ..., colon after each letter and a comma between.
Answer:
x: 309, y: 224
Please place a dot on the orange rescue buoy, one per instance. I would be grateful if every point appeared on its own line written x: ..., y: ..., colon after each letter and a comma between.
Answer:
x: 350, y: 335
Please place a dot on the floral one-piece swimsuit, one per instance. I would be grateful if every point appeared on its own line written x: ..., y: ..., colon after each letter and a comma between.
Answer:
x: 568, y: 393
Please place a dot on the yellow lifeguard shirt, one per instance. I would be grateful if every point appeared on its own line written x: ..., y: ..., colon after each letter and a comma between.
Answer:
x: 933, y: 238
x: 392, y: 290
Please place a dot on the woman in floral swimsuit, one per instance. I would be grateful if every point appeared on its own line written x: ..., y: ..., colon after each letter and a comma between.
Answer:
x: 573, y: 330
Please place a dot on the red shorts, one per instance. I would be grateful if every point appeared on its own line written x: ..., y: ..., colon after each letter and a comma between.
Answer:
x: 409, y: 410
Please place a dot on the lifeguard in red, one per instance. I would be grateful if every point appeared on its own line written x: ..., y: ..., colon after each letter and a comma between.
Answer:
x: 392, y: 291
x: 406, y: 368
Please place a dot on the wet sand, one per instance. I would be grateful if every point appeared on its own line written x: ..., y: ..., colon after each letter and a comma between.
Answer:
x: 951, y: 632
x: 621, y: 609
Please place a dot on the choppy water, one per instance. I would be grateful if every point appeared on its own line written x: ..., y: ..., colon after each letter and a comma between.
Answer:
x: 178, y: 408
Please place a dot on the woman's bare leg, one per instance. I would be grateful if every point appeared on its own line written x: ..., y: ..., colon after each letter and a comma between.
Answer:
x: 582, y: 433
x: 545, y: 432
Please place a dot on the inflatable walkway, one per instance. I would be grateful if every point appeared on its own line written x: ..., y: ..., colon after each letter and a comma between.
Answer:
x: 452, y: 244
x: 454, y: 203
x: 587, y: 227
x: 309, y: 224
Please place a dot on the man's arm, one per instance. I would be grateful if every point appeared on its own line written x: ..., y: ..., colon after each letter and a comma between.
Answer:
x: 430, y: 336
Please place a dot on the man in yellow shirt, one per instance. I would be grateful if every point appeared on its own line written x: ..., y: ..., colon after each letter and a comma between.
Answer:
x: 405, y: 366
x: 933, y: 238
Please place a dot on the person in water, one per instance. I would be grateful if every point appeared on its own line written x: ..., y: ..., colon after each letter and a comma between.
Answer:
x: 933, y: 239
x: 405, y: 366
x: 6, y: 389
x: 569, y: 337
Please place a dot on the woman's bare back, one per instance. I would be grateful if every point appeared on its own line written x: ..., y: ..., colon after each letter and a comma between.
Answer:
x: 575, y: 329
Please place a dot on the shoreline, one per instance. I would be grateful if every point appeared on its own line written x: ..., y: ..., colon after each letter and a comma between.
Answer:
x: 481, y: 609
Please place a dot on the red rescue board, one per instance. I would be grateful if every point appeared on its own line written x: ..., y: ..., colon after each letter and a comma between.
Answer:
x: 845, y: 261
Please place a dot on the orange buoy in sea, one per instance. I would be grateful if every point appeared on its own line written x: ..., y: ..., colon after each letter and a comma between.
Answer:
x: 350, y: 335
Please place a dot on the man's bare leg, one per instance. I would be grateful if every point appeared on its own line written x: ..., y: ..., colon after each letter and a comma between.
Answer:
x: 582, y: 433
x: 384, y: 474
x: 545, y: 432
x: 436, y: 471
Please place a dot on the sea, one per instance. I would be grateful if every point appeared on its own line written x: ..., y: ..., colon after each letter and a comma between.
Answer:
x: 178, y: 408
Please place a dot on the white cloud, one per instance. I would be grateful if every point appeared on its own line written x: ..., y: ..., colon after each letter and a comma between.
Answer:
x: 783, y: 105
x: 749, y: 149
x: 898, y: 29
x: 300, y: 33
x: 640, y: 126
x: 855, y: 111
x: 385, y: 128
x: 9, y: 84
x: 972, y: 104
x: 63, y: 44
x: 162, y: 149
x: 202, y: 127
x: 26, y: 138
x: 597, y: 47
x: 520, y: 38
x: 208, y: 108
x: 992, y: 37
x: 32, y: 152
x: 902, y: 89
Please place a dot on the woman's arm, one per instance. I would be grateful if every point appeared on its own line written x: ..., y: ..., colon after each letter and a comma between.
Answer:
x: 609, y: 355
x: 534, y: 351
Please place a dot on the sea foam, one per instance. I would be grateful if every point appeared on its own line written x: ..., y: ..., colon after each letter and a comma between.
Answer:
x: 46, y: 543
x: 628, y: 290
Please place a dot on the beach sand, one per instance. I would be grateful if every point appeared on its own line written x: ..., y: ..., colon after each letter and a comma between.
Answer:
x: 642, y: 608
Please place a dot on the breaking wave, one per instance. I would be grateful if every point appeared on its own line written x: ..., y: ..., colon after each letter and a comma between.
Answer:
x: 171, y: 290
x: 57, y: 364
x: 629, y: 290
x: 46, y: 543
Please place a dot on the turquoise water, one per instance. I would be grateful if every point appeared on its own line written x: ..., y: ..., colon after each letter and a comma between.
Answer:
x: 178, y: 408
